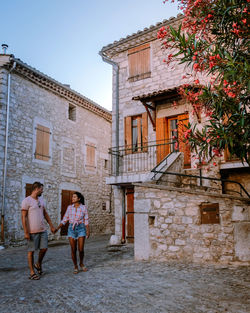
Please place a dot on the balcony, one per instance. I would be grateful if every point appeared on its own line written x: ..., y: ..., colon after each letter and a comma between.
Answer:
x: 139, y: 159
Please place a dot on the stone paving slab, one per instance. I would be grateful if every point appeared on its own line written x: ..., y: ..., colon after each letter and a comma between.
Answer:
x: 116, y: 283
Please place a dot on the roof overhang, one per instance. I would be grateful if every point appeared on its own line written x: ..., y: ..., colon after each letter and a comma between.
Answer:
x: 151, y: 100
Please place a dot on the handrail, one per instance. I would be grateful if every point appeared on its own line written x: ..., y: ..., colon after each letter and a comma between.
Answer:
x: 203, y: 177
x: 162, y: 161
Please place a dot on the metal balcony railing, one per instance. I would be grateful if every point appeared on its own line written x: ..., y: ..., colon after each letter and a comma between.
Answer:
x: 139, y: 158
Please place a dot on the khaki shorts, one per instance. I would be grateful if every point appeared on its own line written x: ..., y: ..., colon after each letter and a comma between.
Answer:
x: 38, y: 241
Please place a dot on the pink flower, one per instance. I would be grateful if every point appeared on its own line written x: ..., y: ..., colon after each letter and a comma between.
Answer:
x: 196, y: 66
x: 231, y: 94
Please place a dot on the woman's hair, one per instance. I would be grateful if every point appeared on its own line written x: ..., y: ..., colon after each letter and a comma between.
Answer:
x: 80, y: 197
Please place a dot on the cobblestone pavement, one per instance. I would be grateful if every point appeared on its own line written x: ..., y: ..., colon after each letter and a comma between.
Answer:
x: 116, y: 283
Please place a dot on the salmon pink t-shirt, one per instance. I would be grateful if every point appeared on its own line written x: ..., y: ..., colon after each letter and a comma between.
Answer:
x: 35, y: 208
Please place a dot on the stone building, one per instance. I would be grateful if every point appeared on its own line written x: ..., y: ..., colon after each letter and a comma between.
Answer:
x: 55, y: 136
x: 164, y: 204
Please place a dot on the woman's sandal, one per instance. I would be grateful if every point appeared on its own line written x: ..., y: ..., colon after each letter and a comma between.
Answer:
x: 83, y: 268
x: 34, y: 277
x: 39, y: 269
x: 75, y: 271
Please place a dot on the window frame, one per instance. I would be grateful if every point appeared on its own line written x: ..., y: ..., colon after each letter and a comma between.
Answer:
x: 143, y: 133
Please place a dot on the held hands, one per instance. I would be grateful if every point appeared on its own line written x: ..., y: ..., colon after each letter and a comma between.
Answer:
x: 53, y: 230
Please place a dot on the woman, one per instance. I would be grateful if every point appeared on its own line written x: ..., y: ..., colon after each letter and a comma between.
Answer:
x: 78, y: 229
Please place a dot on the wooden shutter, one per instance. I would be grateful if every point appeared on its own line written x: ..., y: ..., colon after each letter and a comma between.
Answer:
x: 162, y: 149
x: 128, y: 134
x: 145, y: 131
x: 46, y: 136
x: 183, y: 147
x: 90, y: 155
x: 42, y: 143
x: 139, y: 60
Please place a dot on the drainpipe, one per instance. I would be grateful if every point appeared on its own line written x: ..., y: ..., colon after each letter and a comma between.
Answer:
x: 116, y: 68
x: 6, y: 150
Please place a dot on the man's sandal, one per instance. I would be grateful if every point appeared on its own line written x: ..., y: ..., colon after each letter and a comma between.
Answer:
x: 34, y: 277
x: 39, y: 269
x: 75, y: 271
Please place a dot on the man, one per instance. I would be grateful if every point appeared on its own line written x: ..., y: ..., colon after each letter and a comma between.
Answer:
x: 33, y: 215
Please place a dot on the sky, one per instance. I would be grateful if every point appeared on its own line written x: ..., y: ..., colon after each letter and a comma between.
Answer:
x: 62, y: 38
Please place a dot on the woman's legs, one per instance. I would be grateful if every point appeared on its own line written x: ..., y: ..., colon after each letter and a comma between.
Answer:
x: 73, y: 246
x: 81, y: 241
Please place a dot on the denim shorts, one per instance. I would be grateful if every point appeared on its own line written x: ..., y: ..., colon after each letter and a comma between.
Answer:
x: 78, y: 231
x: 38, y: 241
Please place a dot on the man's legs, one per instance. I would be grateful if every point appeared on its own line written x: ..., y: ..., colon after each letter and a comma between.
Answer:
x: 43, y: 246
x: 31, y: 262
x: 41, y: 255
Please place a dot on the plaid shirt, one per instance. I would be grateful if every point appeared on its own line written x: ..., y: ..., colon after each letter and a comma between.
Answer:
x: 76, y: 216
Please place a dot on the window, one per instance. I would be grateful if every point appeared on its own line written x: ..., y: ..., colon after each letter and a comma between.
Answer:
x: 136, y: 133
x: 72, y: 112
x: 139, y: 62
x: 173, y: 132
x: 90, y: 155
x: 42, y: 143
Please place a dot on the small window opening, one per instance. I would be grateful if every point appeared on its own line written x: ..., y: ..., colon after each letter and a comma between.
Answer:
x: 72, y: 112
x: 151, y: 220
x: 104, y: 207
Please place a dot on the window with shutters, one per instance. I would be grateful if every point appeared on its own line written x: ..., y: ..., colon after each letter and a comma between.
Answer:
x: 90, y: 156
x: 42, y: 150
x: 139, y: 62
x: 136, y: 133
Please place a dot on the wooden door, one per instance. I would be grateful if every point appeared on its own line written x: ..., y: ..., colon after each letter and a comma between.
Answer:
x: 162, y: 148
x: 184, y: 147
x: 66, y: 201
x: 28, y: 190
x: 130, y: 214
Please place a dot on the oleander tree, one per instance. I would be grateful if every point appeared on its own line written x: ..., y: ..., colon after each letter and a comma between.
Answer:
x: 212, y: 41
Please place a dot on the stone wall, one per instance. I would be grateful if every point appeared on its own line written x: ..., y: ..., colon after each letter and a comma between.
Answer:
x: 168, y: 226
x: 30, y: 105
